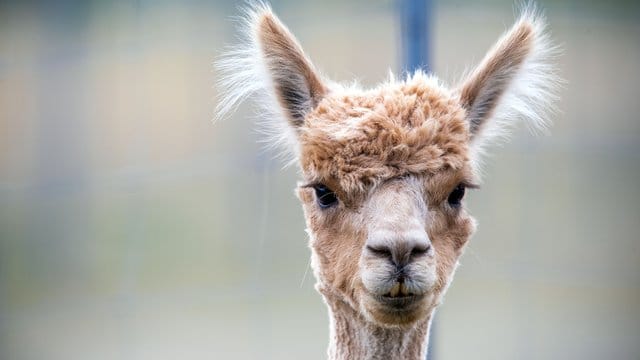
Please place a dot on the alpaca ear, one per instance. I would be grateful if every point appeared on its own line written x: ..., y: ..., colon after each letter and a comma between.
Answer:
x: 515, y: 80
x: 296, y: 84
x: 269, y: 66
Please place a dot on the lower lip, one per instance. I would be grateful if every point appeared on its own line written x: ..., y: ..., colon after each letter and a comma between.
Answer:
x: 399, y: 302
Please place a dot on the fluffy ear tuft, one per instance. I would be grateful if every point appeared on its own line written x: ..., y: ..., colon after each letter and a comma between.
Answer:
x: 270, y: 66
x: 515, y: 80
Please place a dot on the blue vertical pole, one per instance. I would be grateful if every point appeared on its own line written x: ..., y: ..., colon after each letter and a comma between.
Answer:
x: 416, y: 34
x: 415, y: 22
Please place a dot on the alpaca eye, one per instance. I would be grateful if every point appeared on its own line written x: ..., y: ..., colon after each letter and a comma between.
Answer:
x: 456, y: 196
x: 325, y: 196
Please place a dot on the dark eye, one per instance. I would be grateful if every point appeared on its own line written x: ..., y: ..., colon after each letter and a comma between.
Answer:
x: 325, y: 196
x: 456, y: 196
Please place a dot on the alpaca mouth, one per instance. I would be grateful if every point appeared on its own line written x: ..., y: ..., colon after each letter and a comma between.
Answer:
x: 401, y: 309
x: 399, y: 297
x: 399, y: 302
x: 399, y: 289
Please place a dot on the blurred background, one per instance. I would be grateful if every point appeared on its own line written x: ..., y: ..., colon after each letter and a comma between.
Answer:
x: 132, y: 227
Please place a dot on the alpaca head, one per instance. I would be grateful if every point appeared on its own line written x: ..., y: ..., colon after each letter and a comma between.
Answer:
x: 384, y: 171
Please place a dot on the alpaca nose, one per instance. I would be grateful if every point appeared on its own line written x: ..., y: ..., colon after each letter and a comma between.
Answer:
x: 399, y: 249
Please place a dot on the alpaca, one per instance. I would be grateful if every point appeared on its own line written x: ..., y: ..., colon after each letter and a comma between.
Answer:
x: 385, y: 170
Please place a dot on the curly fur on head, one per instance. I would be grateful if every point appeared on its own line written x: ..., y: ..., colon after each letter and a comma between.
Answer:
x: 356, y: 139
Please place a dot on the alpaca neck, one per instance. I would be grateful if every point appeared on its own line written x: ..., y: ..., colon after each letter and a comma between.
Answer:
x: 353, y: 337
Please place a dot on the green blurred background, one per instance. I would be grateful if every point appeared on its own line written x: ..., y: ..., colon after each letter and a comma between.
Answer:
x: 132, y: 227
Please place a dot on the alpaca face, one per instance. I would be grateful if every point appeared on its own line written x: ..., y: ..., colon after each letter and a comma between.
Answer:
x: 385, y: 170
x: 385, y: 173
x: 389, y: 253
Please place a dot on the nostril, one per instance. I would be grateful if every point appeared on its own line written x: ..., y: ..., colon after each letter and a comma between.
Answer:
x: 380, y: 251
x: 420, y: 250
